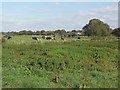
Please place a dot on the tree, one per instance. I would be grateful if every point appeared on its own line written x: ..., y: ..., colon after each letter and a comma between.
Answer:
x: 60, y: 32
x: 43, y: 32
x: 116, y: 32
x: 23, y: 32
x: 38, y: 32
x: 49, y: 32
x: 73, y: 31
x: 29, y: 33
x: 63, y: 32
x: 95, y: 27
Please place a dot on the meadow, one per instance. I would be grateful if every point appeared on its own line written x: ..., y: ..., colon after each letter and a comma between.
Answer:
x: 89, y: 62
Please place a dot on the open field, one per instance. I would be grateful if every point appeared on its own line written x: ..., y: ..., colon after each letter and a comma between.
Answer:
x: 71, y: 63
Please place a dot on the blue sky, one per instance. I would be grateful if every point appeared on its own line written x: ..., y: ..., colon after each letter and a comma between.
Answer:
x: 36, y: 16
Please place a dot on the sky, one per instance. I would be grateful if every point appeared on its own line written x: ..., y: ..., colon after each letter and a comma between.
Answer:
x: 35, y: 16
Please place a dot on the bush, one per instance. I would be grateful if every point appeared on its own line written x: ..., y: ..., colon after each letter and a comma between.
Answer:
x: 3, y: 40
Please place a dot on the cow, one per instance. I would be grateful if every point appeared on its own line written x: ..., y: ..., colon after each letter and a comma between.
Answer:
x: 35, y: 38
x: 9, y: 37
x: 62, y: 38
x: 78, y: 37
x: 48, y: 38
x: 53, y: 38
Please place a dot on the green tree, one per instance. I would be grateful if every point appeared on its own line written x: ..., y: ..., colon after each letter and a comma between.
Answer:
x: 95, y: 27
x: 23, y: 32
x: 43, y: 32
x: 60, y: 32
x: 50, y: 32
x: 116, y: 32
x: 73, y: 31
x: 29, y: 33
x: 38, y: 32
x: 63, y: 32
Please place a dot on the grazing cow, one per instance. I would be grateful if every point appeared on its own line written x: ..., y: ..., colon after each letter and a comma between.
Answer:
x: 48, y: 38
x: 43, y: 37
x: 57, y: 79
x: 62, y: 38
x: 34, y: 38
x: 53, y: 38
x: 9, y: 37
x: 78, y: 37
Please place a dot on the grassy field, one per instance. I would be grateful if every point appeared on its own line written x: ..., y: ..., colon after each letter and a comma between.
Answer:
x: 60, y: 64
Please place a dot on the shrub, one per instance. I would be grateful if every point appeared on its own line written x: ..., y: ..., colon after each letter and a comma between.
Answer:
x: 3, y: 40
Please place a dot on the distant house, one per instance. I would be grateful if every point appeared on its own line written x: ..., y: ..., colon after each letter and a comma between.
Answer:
x: 75, y: 34
x: 78, y: 33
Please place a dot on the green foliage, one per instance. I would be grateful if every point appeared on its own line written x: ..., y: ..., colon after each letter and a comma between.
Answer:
x: 3, y: 40
x: 116, y: 32
x: 97, y: 28
x: 60, y: 32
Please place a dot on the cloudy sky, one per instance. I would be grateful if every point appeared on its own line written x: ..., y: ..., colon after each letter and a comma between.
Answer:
x: 36, y: 16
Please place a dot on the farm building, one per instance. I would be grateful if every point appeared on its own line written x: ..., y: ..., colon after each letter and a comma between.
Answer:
x: 75, y: 34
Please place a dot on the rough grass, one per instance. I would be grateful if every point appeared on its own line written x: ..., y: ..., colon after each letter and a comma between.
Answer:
x: 56, y: 64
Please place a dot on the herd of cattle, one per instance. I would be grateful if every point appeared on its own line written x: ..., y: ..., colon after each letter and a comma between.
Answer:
x: 44, y: 37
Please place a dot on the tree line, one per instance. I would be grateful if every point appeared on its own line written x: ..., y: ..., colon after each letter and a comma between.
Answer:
x: 42, y: 32
x: 95, y: 27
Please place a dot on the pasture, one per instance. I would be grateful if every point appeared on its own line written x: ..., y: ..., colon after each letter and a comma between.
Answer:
x: 72, y: 63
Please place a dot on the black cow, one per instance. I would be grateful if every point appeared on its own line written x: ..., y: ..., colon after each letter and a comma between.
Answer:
x: 9, y: 37
x: 53, y: 38
x: 34, y: 38
x: 48, y: 38
x: 78, y: 37
x: 62, y: 38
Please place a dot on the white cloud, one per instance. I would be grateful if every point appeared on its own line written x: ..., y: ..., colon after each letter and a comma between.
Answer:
x: 108, y: 14
x: 75, y: 20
